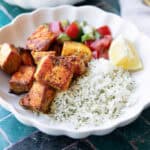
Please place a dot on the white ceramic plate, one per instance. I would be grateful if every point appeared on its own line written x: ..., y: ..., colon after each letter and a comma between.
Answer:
x: 32, y: 4
x: 23, y: 26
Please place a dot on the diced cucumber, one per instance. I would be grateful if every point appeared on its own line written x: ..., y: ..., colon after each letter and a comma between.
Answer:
x: 87, y: 37
x: 63, y: 37
x: 97, y: 35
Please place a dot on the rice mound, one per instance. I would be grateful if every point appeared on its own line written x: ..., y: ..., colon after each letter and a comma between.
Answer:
x: 97, y: 96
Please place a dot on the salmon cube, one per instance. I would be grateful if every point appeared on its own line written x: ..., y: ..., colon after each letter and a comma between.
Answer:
x: 78, y: 64
x: 56, y: 72
x: 39, y: 98
x: 60, y: 78
x: 37, y: 56
x: 10, y: 59
x: 26, y: 57
x: 44, y: 69
x: 22, y: 80
x: 41, y: 39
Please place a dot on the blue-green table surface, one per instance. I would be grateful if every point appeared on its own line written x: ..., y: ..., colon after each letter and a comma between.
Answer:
x: 134, y: 136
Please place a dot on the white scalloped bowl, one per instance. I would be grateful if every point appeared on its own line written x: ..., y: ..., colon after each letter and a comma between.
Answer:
x: 33, y: 4
x: 23, y: 26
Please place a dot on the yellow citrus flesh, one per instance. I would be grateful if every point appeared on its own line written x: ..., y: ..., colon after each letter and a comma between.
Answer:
x: 122, y: 53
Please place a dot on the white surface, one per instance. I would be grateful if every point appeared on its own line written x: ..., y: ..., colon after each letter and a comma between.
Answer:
x: 33, y: 4
x: 24, y: 25
x: 137, y: 12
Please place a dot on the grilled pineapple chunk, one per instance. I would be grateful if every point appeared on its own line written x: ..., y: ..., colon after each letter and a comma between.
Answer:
x: 77, y: 49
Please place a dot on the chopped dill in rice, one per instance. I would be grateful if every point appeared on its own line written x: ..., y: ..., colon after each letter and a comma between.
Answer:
x: 97, y: 96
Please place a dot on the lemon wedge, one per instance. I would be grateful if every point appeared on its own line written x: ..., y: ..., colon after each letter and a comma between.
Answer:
x: 122, y: 53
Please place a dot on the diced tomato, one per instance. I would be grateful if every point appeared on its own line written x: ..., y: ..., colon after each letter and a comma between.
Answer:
x: 101, y: 44
x: 105, y: 55
x: 104, y: 30
x: 100, y: 47
x: 88, y: 43
x: 56, y: 28
x: 73, y: 30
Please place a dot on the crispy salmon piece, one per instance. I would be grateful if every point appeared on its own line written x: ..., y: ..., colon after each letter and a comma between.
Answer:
x: 57, y: 47
x: 78, y: 63
x: 10, y: 59
x: 56, y: 72
x: 22, y: 80
x: 41, y: 39
x: 60, y: 78
x: 37, y: 56
x: 39, y: 98
x: 44, y: 69
x: 26, y: 57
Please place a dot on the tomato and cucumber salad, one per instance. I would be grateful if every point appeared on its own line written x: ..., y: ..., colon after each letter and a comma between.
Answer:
x: 97, y: 39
